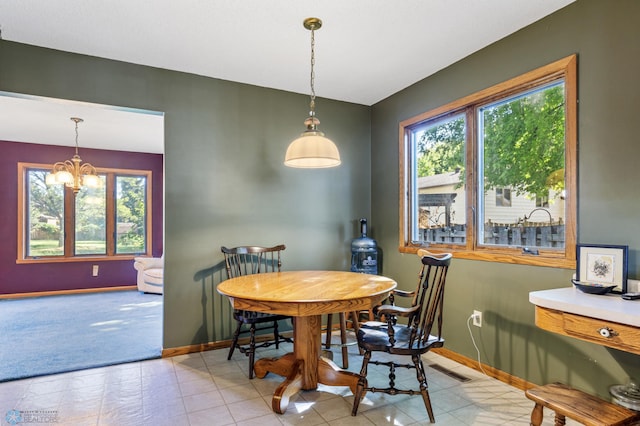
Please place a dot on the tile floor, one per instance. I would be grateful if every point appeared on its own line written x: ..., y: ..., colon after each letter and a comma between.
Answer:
x: 206, y: 389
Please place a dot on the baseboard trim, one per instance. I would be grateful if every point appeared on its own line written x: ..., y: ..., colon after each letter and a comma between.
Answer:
x: 454, y: 356
x: 63, y: 292
x: 202, y: 347
x: 488, y: 370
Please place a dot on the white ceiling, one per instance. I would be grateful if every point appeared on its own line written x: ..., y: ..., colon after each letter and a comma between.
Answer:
x: 365, y: 51
x: 48, y: 121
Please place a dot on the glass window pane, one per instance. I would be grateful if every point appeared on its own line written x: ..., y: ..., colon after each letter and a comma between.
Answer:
x: 522, y: 146
x: 91, y: 219
x: 45, y: 226
x: 438, y: 210
x: 131, y: 214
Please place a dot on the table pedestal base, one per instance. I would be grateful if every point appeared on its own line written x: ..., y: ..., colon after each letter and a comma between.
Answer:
x: 303, y: 369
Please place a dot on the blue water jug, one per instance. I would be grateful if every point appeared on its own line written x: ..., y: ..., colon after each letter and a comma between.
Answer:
x: 364, y: 252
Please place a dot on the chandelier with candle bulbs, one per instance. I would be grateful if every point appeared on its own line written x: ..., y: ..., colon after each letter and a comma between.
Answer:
x: 74, y: 173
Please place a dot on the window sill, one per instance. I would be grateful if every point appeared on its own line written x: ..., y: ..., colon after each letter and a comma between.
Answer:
x: 544, y: 259
x: 36, y: 260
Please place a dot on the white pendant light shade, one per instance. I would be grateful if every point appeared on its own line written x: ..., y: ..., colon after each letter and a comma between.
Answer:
x: 312, y: 150
x: 91, y: 181
x: 50, y: 179
x: 64, y: 177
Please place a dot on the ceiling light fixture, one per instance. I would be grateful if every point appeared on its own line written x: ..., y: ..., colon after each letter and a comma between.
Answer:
x: 312, y: 149
x: 73, y: 174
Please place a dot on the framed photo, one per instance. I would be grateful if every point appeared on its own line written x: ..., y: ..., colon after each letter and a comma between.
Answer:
x: 603, y: 264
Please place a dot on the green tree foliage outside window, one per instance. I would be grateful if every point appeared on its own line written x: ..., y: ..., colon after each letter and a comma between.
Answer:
x: 91, y: 220
x: 131, y: 214
x: 441, y: 148
x: 524, y: 142
x: 46, y: 216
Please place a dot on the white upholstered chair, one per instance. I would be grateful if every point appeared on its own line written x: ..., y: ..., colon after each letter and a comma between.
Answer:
x: 150, y: 273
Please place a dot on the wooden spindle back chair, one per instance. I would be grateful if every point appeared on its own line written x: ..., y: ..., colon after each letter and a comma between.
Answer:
x: 420, y: 331
x: 246, y: 260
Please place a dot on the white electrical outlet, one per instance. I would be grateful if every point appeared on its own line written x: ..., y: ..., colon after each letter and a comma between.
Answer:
x: 95, y: 270
x: 477, y: 318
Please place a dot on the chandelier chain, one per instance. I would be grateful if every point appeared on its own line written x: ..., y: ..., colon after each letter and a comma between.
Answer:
x: 313, y: 75
x: 76, y: 136
x: 77, y: 120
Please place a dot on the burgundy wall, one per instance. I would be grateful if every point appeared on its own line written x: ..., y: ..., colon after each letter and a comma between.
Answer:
x: 26, y: 278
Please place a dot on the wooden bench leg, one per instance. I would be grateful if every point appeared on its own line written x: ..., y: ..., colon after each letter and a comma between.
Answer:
x: 536, y: 415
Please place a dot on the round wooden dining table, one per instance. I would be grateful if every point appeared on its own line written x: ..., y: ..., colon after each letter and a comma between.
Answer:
x: 305, y: 295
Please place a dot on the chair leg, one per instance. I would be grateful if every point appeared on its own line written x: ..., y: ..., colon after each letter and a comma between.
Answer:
x: 356, y: 327
x: 234, y: 343
x: 424, y: 388
x: 343, y: 334
x: 560, y: 420
x: 252, y: 349
x: 327, y: 340
x: 276, y: 334
x: 343, y: 340
x: 361, y: 383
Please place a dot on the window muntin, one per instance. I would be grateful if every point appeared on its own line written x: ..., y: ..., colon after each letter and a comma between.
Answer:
x: 542, y: 201
x: 503, y: 197
x: 92, y: 216
x: 557, y: 191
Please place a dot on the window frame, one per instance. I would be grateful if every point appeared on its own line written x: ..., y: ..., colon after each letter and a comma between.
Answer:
x: 69, y: 229
x: 566, y: 69
x: 504, y: 200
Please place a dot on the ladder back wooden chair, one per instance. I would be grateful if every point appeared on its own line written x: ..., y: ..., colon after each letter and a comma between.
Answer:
x: 422, y: 331
x: 245, y: 260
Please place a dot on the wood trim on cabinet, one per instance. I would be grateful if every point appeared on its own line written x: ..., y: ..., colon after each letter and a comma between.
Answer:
x: 601, y: 332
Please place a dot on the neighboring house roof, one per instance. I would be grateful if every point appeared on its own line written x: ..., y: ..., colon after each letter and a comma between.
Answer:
x: 443, y: 179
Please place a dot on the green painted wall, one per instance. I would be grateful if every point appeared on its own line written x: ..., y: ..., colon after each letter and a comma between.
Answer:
x: 225, y: 183
x: 606, y: 37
